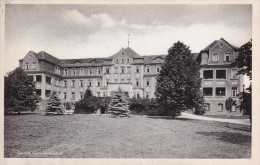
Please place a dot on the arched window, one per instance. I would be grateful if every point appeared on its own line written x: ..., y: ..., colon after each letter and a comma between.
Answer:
x: 207, y: 106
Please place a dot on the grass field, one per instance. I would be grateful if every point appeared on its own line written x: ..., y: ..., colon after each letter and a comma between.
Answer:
x: 91, y: 136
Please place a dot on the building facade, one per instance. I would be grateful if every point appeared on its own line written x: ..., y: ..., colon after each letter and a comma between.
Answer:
x: 134, y: 73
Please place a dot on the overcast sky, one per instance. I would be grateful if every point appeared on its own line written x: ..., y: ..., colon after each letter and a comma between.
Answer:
x: 83, y: 31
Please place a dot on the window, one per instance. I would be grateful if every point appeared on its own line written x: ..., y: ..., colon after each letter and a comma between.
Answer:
x: 72, y: 95
x: 214, y: 57
x: 81, y: 83
x: 158, y: 69
x: 90, y: 71
x: 220, y: 74
x: 147, y: 82
x: 207, y: 74
x: 26, y: 66
x: 220, y: 107
x: 72, y: 83
x: 107, y: 71
x: 122, y: 61
x: 73, y: 71
x: 207, y: 91
x: 47, y: 93
x: 107, y: 81
x: 66, y: 72
x: 38, y: 78
x: 90, y: 83
x: 122, y: 70
x: 116, y: 69
x: 227, y: 57
x: 98, y: 94
x: 234, y: 74
x: 148, y: 69
x: 129, y: 69
x: 57, y: 70
x: 129, y: 81
x: 99, y: 70
x: 65, y: 84
x: 34, y: 65
x: 99, y: 83
x: 234, y: 91
x: 65, y: 96
x: 117, y: 61
x: 48, y: 79
x: 38, y: 92
x: 220, y: 91
x: 81, y: 71
x: 56, y: 82
x: 128, y: 60
x: 115, y: 80
x: 207, y: 106
x: 138, y: 95
x: 81, y: 95
x: 137, y: 70
x: 137, y: 83
x: 104, y: 94
x: 147, y: 95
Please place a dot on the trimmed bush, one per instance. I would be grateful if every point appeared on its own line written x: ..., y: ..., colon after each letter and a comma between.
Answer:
x: 146, y: 107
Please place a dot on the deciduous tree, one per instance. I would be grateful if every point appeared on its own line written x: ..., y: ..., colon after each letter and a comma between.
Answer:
x: 19, y: 92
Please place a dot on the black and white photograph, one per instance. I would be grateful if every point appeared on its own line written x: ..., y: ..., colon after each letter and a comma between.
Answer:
x: 120, y: 81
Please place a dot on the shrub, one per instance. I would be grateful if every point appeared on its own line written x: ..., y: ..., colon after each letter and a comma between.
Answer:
x: 229, y: 104
x: 90, y: 104
x: 148, y: 107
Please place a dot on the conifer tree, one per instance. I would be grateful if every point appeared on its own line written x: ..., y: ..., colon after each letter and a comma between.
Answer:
x: 118, y: 106
x: 19, y: 92
x: 178, y: 83
x: 54, y: 104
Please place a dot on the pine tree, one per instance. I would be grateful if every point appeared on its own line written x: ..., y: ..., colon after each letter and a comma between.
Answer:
x: 118, y: 106
x: 178, y: 83
x: 54, y: 104
x: 19, y: 92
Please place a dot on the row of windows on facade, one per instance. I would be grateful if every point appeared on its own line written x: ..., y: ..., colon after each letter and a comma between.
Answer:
x: 227, y: 57
x: 219, y: 91
x: 64, y: 95
x: 91, y: 70
x: 81, y: 82
x: 121, y: 69
x: 219, y: 74
x: 220, y: 107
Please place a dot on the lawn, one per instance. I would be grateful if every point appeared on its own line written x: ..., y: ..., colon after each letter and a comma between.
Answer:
x: 92, y: 136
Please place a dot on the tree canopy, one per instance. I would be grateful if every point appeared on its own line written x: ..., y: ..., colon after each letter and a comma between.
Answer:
x: 19, y: 92
x: 178, y: 83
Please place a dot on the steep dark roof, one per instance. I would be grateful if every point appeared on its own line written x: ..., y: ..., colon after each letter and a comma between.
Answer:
x: 152, y: 59
x: 128, y: 51
x: 232, y: 46
x: 82, y: 62
x: 210, y: 46
x: 45, y: 56
x: 195, y: 56
x: 132, y: 53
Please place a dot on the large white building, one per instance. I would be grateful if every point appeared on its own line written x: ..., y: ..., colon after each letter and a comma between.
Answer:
x: 134, y: 73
